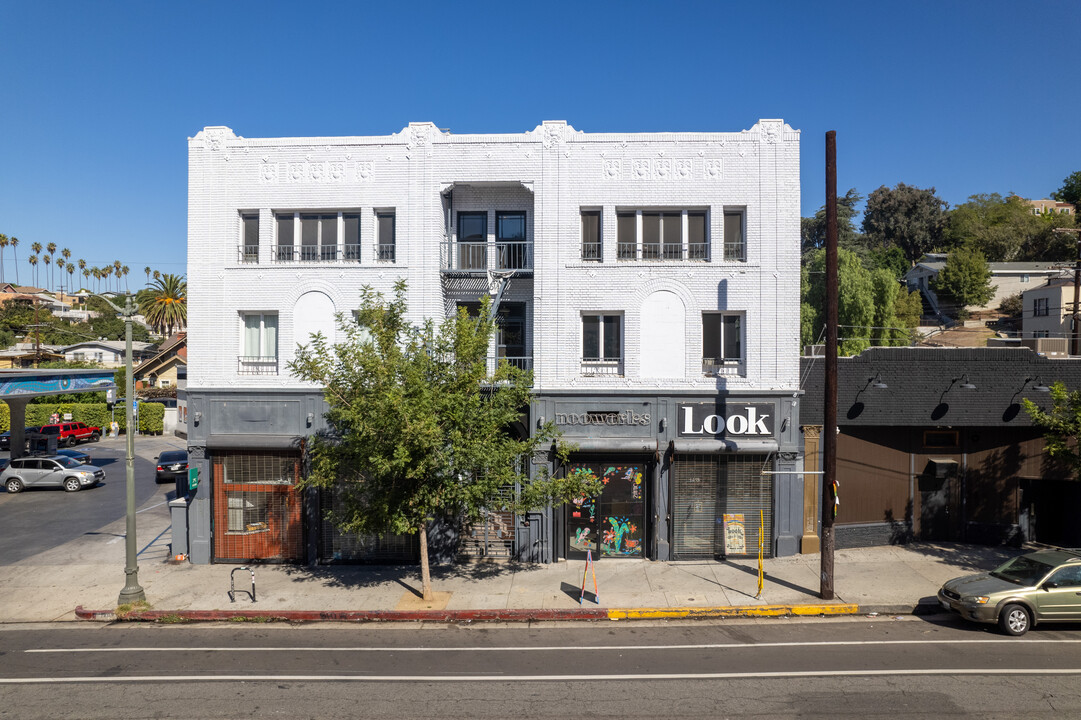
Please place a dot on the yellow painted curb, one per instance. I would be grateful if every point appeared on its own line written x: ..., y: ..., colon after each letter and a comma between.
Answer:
x: 736, y: 611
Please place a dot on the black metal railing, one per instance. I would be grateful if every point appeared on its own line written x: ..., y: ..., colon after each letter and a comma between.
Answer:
x: 479, y: 257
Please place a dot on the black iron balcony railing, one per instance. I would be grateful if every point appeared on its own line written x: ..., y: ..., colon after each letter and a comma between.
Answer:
x: 602, y: 367
x: 479, y: 257
x: 257, y: 365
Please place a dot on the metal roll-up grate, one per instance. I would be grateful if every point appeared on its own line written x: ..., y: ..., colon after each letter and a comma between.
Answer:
x: 694, y: 506
x: 345, y: 547
x: 746, y: 491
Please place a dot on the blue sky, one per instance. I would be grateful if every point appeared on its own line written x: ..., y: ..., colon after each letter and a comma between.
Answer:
x: 100, y: 97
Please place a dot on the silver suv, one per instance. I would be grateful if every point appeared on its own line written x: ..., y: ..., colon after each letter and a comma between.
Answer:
x: 52, y: 471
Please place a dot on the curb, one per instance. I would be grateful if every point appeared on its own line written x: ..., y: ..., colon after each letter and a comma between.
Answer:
x: 489, y: 615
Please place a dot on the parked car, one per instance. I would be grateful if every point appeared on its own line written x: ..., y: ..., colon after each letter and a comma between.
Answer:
x: 1030, y: 589
x: 53, y: 471
x: 5, y: 437
x: 76, y: 455
x: 70, y: 433
x: 167, y: 402
x: 172, y: 464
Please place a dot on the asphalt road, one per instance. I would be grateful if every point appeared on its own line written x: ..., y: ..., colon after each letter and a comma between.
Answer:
x: 909, y: 668
x: 39, y: 519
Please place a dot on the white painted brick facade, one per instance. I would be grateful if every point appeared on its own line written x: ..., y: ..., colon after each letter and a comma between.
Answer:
x: 551, y: 172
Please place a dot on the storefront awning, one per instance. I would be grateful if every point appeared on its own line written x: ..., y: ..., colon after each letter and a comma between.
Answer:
x: 263, y: 442
x: 727, y: 445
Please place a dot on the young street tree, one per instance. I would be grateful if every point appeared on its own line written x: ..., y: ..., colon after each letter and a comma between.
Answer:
x: 1061, y: 425
x: 419, y: 429
x: 966, y: 279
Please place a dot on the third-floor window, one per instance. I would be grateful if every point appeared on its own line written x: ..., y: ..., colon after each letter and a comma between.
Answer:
x: 317, y: 237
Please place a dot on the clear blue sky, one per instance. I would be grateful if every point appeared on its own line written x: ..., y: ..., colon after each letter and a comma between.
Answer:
x: 100, y: 97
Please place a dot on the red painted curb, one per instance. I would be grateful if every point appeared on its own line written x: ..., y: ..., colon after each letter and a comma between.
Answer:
x: 491, y: 615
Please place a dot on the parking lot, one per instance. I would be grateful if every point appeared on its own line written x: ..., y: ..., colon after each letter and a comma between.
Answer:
x: 39, y: 519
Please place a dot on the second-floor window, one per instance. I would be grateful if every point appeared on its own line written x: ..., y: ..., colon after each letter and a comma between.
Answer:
x: 602, y: 344
x: 1040, y: 307
x: 661, y: 235
x: 722, y: 343
x: 735, y: 249
x: 472, y: 240
x: 259, y: 344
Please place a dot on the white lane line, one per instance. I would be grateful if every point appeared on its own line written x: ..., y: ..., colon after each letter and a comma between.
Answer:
x: 536, y: 678
x: 519, y: 648
x: 151, y: 507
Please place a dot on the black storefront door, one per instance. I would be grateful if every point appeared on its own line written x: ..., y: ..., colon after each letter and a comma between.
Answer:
x: 612, y: 524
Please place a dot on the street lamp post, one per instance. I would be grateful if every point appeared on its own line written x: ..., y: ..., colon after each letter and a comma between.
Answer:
x: 132, y: 591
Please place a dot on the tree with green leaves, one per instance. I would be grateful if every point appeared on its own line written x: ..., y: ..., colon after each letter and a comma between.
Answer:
x: 855, y: 303
x: 1070, y: 192
x: 1061, y: 425
x: 910, y: 218
x: 813, y: 229
x: 1005, y: 229
x: 420, y: 425
x: 965, y: 279
x: 165, y: 304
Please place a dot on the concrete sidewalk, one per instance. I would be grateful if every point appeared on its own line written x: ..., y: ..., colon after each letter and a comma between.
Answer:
x: 89, y: 572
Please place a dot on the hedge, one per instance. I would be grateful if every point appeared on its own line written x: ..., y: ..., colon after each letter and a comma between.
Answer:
x: 151, y: 415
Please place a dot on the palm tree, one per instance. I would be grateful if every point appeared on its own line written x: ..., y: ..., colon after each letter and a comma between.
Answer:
x: 147, y: 271
x: 47, y: 259
x: 60, y: 269
x: 36, y: 247
x: 33, y: 260
x: 3, y: 244
x: 82, y: 264
x: 86, y: 274
x: 15, y: 244
x: 165, y: 305
x: 125, y: 271
x: 97, y: 276
x: 71, y: 278
x: 117, y: 266
x: 157, y: 275
x: 51, y: 247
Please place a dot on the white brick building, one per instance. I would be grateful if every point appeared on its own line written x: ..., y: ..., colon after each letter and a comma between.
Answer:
x: 654, y: 290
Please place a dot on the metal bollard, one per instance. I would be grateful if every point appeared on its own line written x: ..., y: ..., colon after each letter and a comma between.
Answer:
x: 232, y: 585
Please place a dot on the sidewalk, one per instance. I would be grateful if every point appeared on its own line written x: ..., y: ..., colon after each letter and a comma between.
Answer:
x: 89, y: 573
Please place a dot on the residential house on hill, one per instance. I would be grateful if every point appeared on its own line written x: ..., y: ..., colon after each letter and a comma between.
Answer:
x: 1009, y: 278
x: 161, y: 369
x: 110, y: 353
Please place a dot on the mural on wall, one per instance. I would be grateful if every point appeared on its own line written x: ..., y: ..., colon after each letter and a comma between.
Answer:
x: 615, y: 518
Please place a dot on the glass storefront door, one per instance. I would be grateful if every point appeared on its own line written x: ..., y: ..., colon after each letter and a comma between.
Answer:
x: 613, y: 523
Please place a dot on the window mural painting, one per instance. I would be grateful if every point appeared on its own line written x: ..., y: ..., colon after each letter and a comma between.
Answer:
x: 615, y: 519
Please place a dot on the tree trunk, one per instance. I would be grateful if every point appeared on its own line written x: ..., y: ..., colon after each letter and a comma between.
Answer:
x: 425, y: 573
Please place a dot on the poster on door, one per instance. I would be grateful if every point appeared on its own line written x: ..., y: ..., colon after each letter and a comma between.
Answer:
x: 735, y: 535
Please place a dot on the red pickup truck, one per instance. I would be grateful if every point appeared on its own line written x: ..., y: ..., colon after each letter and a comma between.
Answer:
x: 72, y: 432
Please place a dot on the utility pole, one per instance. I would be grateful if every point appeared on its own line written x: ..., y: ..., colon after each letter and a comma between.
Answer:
x: 829, y: 406
x: 132, y: 591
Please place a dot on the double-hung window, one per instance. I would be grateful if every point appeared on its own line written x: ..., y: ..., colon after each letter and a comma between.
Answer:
x: 602, y: 344
x: 661, y: 235
x: 1040, y: 307
x: 259, y: 344
x: 591, y: 235
x: 385, y: 242
x: 249, y: 248
x: 735, y: 249
x: 317, y: 237
x: 722, y: 343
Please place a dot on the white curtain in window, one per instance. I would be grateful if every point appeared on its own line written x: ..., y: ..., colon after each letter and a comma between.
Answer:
x: 251, y: 335
x: 270, y: 336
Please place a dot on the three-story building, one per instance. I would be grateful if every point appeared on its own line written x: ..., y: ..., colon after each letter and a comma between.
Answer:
x: 649, y: 280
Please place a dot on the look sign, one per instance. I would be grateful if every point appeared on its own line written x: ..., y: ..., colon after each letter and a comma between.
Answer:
x: 709, y: 419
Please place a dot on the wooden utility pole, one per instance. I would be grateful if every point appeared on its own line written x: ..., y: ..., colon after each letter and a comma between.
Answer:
x: 829, y: 406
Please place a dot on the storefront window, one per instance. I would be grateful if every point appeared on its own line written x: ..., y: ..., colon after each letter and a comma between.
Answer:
x: 612, y: 524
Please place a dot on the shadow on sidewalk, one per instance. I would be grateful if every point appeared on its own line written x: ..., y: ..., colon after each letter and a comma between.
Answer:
x: 965, y: 556
x: 408, y: 576
x: 771, y: 579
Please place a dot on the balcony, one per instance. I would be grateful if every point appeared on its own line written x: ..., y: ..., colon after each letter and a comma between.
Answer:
x: 719, y: 367
x: 248, y: 253
x: 477, y: 258
x: 653, y: 252
x: 257, y: 365
x: 316, y: 253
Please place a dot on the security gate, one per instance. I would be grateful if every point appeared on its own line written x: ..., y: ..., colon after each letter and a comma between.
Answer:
x: 257, y: 509
x: 706, y: 489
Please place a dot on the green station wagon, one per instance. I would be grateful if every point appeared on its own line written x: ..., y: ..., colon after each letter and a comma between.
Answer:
x: 1039, y: 587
